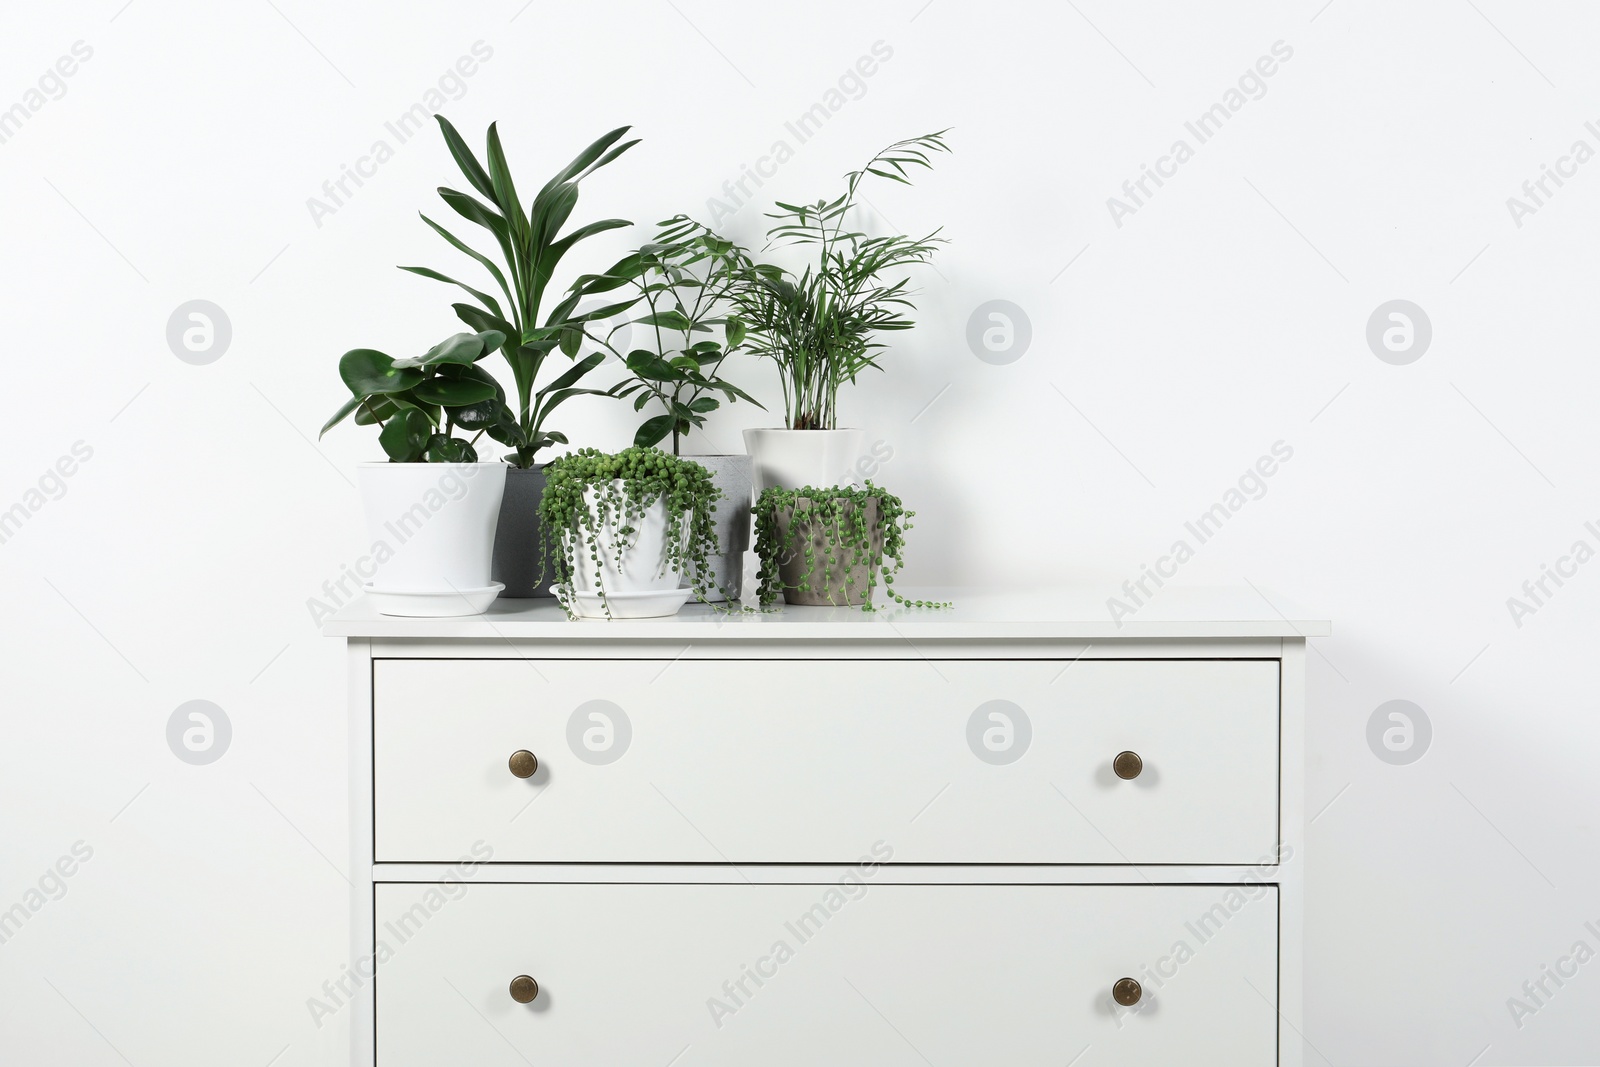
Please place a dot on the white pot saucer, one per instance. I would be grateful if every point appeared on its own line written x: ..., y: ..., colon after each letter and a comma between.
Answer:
x: 433, y: 605
x: 651, y: 605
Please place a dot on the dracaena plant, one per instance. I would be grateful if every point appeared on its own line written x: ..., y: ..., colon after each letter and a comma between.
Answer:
x: 684, y: 281
x: 420, y: 403
x: 530, y: 245
x: 821, y: 326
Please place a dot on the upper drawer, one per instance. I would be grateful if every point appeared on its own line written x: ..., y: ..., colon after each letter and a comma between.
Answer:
x: 811, y: 761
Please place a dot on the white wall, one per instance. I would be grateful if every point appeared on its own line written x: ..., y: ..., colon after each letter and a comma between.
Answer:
x: 1168, y: 353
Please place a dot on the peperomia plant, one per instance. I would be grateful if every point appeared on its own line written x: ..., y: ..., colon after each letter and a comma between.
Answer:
x: 820, y: 326
x: 420, y: 403
x: 531, y: 247
x: 830, y: 545
x: 594, y: 502
x: 685, y: 279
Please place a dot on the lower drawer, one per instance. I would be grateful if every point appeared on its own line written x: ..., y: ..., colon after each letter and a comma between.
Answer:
x: 838, y: 973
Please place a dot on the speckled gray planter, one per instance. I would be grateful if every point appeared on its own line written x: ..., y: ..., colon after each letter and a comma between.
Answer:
x: 516, y: 537
x: 794, y: 572
x: 735, y: 476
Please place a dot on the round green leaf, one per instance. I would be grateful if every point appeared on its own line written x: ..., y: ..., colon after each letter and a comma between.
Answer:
x: 366, y: 371
x: 477, y: 416
x: 453, y: 393
x: 442, y: 449
x: 405, y: 436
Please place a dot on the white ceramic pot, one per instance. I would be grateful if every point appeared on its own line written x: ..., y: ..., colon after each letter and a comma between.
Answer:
x: 794, y: 459
x: 432, y: 527
x: 639, y: 581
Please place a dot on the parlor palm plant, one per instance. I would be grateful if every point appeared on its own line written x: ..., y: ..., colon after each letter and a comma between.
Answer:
x: 685, y: 279
x: 821, y: 326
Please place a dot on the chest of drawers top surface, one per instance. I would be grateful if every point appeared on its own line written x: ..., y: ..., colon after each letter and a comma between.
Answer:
x: 1050, y: 615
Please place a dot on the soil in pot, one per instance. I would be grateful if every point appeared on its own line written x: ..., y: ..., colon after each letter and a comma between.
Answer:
x: 807, y: 576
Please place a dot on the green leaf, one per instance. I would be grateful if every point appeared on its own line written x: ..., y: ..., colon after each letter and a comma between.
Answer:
x: 731, y: 391
x: 484, y: 322
x: 405, y: 436
x: 483, y: 297
x: 671, y: 320
x: 457, y: 348
x: 366, y: 371
x: 507, y: 430
x: 704, y: 404
x: 576, y: 373
x: 590, y: 155
x: 558, y: 249
x: 453, y: 393
x: 479, y: 416
x: 505, y: 193
x: 376, y: 410
x: 550, y: 212
x: 442, y: 449
x: 649, y: 365
x: 340, y: 415
x: 476, y: 211
x: 473, y: 372
x: 653, y: 430
x: 462, y: 246
x: 464, y: 158
x: 571, y: 341
x: 736, y: 332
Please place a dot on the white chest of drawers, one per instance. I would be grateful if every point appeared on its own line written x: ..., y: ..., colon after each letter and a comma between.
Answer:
x: 823, y: 837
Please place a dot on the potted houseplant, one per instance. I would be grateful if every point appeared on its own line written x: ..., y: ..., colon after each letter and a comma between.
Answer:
x: 820, y: 327
x: 684, y: 280
x: 827, y: 545
x: 623, y: 531
x: 530, y: 246
x: 431, y: 509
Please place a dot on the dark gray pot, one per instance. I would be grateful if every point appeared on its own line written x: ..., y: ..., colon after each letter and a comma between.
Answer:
x: 793, y: 570
x: 517, y: 536
x: 735, y: 476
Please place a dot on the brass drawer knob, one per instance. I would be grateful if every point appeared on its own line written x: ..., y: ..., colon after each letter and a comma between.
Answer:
x: 1128, y: 765
x: 1126, y: 992
x: 524, y: 764
x: 524, y: 989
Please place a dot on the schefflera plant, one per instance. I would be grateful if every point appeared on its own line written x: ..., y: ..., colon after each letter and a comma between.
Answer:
x: 421, y: 403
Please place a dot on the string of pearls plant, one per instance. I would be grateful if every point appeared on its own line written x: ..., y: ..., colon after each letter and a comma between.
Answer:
x: 590, y: 493
x: 834, y: 534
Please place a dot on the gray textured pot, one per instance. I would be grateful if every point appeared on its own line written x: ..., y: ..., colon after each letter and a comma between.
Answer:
x: 516, y: 537
x: 735, y: 476
x: 823, y: 537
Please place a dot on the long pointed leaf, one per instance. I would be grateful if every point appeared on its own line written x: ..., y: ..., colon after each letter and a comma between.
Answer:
x: 579, y: 369
x: 586, y: 157
x: 505, y: 192
x: 462, y: 246
x: 485, y: 298
x: 464, y: 158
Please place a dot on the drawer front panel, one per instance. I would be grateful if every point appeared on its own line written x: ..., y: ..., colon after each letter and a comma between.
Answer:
x: 843, y: 973
x: 954, y: 761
